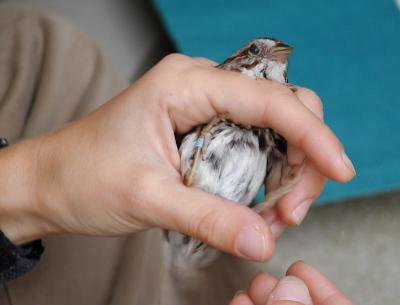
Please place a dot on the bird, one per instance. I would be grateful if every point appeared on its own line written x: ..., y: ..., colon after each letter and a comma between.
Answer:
x: 231, y: 160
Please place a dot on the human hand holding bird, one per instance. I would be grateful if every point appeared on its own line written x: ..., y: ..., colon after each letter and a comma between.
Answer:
x: 117, y: 170
x: 232, y: 161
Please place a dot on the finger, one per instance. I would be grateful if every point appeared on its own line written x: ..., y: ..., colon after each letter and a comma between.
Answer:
x: 289, y: 290
x: 293, y: 207
x: 241, y: 299
x: 322, y: 290
x: 218, y: 222
x: 276, y: 225
x: 266, y: 104
x: 309, y: 99
x: 260, y: 288
x: 192, y: 94
x: 295, y: 155
x: 205, y: 61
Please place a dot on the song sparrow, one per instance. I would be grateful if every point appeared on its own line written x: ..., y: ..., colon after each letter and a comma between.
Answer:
x: 233, y: 161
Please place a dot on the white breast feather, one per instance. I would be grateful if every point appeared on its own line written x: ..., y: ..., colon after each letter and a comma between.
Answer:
x: 276, y: 71
x: 239, y: 176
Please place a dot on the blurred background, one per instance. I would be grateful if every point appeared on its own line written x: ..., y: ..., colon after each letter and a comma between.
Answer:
x: 346, y: 51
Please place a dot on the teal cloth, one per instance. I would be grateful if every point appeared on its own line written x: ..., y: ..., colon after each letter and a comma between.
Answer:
x: 347, y: 51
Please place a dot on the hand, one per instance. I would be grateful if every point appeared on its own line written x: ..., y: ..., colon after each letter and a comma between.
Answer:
x: 292, y: 208
x: 116, y: 171
x: 303, y: 285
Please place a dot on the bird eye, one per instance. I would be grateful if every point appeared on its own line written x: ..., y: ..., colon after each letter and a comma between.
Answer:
x: 254, y: 49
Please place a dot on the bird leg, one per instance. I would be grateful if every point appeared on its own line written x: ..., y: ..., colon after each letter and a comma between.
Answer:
x: 203, y: 139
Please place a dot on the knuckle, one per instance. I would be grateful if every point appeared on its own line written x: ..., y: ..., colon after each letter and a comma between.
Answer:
x: 205, y: 225
x: 280, y: 92
x: 311, y: 100
x: 205, y: 61
x: 279, y: 88
x: 307, y: 93
x: 171, y: 65
x: 171, y: 75
x: 174, y: 59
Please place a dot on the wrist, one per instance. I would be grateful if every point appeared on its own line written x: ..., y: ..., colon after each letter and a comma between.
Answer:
x: 21, y: 215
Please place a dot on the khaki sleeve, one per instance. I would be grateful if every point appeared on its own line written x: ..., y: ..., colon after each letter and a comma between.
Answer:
x: 50, y: 73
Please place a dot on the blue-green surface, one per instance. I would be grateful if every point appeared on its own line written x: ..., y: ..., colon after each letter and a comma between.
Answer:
x: 347, y: 51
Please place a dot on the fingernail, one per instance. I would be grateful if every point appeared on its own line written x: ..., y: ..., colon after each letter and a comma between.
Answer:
x: 348, y: 162
x: 251, y: 243
x: 290, y: 288
x: 277, y: 227
x: 239, y: 293
x: 300, y: 211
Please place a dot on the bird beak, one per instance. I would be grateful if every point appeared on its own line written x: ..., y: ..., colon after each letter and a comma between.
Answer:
x: 281, y: 51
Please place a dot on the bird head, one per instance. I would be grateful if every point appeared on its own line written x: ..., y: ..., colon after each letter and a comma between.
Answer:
x: 261, y: 58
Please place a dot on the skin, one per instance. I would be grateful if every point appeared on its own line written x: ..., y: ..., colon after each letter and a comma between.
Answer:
x: 315, y: 289
x: 116, y: 171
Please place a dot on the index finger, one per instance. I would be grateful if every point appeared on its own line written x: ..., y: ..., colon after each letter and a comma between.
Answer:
x: 322, y: 290
x: 268, y: 104
x: 192, y: 93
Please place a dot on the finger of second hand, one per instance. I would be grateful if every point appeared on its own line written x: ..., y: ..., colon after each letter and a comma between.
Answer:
x: 322, y: 290
x: 241, y: 299
x: 260, y: 288
x: 275, y: 223
x: 293, y: 207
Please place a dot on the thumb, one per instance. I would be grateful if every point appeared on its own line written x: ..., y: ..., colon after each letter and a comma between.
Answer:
x: 222, y: 224
x: 290, y: 290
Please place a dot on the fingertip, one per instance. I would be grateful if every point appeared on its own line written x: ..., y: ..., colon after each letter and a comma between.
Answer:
x: 241, y: 298
x: 292, y: 212
x: 222, y: 224
x: 296, y: 267
x: 290, y: 290
x: 285, y: 208
x: 349, y: 164
x: 341, y: 168
x: 324, y: 150
x: 322, y: 290
x: 293, y: 207
x: 260, y: 288
x: 255, y: 242
x: 278, y: 227
x: 275, y: 223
